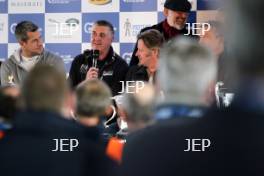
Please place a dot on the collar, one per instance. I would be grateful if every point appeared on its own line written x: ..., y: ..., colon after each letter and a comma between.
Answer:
x: 178, y: 110
x: 110, y: 55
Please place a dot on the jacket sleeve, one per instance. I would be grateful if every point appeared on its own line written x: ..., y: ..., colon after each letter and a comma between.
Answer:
x: 5, y: 74
x: 74, y: 74
x: 59, y: 64
x: 120, y: 75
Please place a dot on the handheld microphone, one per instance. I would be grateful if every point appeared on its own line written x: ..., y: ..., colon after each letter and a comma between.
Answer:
x: 95, y: 55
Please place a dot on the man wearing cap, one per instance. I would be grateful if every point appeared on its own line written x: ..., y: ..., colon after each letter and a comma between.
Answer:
x: 176, y: 13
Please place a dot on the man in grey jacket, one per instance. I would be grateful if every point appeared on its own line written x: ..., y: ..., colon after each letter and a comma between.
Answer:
x: 15, y: 69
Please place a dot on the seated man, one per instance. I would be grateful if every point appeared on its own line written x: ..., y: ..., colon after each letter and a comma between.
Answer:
x: 110, y: 67
x: 15, y: 69
x: 149, y: 43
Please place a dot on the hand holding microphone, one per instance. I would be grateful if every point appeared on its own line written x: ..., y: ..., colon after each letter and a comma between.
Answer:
x: 93, y: 71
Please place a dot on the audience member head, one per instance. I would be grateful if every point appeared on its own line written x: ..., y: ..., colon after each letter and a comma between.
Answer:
x: 149, y: 43
x: 186, y: 72
x: 177, y: 12
x: 137, y: 108
x: 245, y: 36
x: 29, y: 38
x: 93, y: 98
x: 102, y: 36
x: 45, y: 88
x: 214, y: 38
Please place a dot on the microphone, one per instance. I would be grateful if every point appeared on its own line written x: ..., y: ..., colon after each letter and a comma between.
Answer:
x: 95, y: 55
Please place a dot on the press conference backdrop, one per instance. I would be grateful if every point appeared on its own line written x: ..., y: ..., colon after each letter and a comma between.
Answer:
x: 65, y: 24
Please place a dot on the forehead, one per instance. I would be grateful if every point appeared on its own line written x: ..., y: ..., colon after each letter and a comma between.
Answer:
x: 100, y: 29
x: 177, y: 12
x: 210, y: 32
x: 32, y: 35
x: 141, y: 44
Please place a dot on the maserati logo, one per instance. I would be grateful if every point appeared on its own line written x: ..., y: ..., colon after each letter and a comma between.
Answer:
x: 99, y: 2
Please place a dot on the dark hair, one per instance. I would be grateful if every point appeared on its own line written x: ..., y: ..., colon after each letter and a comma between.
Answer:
x: 152, y: 38
x: 22, y: 28
x: 105, y: 23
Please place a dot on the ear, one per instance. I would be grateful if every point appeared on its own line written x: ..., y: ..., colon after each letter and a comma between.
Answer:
x: 165, y: 12
x: 113, y: 37
x: 155, y: 52
x: 21, y: 43
x: 69, y: 105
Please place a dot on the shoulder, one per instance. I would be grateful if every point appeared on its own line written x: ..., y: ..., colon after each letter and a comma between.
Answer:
x: 8, y: 62
x: 156, y: 26
x: 120, y: 60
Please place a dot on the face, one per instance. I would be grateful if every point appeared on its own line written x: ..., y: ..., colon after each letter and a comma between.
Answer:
x: 101, y: 38
x: 144, y: 54
x: 34, y: 45
x: 176, y: 19
x: 213, y: 41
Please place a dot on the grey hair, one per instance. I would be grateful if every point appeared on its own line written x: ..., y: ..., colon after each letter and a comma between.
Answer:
x: 93, y: 97
x: 186, y: 69
x: 139, y: 106
x: 22, y: 28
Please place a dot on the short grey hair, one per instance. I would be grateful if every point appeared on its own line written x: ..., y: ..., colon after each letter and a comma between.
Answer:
x: 186, y: 70
x: 93, y: 97
x: 139, y: 106
x: 22, y: 28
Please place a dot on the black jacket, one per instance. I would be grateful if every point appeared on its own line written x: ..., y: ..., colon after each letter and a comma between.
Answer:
x: 137, y: 73
x: 236, y: 146
x: 112, y: 70
x: 27, y: 148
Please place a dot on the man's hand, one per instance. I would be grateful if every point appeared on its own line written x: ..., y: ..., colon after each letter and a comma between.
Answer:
x: 92, y: 73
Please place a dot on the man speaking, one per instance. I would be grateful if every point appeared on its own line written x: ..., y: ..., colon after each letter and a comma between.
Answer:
x: 107, y: 65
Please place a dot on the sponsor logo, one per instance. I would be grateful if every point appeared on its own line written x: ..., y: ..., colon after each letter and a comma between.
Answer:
x: 67, y: 28
x: 127, y: 57
x: 26, y: 4
x: 100, y: 2
x: 60, y: 1
x: 133, y: 1
x: 67, y: 58
x: 2, y: 27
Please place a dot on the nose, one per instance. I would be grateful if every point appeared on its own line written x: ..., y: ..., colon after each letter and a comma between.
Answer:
x: 137, y: 53
x: 183, y: 15
x: 40, y: 42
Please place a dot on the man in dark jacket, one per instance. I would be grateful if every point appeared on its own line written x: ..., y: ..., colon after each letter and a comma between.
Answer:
x: 110, y: 67
x: 41, y: 141
x: 176, y: 13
